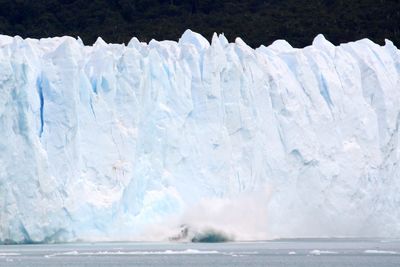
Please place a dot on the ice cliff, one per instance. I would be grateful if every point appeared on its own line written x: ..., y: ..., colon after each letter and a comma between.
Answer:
x: 99, y: 142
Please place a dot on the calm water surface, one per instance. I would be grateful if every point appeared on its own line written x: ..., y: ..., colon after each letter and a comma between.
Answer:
x: 327, y: 252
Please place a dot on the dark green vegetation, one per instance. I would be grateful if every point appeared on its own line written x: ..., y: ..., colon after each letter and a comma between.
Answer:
x: 256, y: 21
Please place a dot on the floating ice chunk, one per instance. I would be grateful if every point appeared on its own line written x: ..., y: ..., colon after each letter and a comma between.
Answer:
x: 373, y: 251
x: 318, y: 252
x: 9, y: 254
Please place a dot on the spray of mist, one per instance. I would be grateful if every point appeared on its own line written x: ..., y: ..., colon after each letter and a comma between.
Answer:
x: 240, y: 217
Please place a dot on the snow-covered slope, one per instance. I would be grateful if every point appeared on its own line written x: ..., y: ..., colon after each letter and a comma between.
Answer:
x: 99, y: 143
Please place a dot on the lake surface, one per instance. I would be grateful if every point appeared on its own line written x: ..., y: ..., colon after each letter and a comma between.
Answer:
x: 326, y: 252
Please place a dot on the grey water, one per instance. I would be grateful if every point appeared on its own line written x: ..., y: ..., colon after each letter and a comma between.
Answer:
x: 296, y: 252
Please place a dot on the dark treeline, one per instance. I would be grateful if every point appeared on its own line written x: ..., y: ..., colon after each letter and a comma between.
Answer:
x: 256, y: 21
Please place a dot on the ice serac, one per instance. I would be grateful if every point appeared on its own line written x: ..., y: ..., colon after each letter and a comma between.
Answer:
x: 99, y: 142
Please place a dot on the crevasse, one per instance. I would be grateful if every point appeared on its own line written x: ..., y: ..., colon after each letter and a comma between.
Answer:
x: 98, y: 142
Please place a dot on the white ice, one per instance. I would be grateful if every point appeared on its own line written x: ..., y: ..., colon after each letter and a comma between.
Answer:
x: 99, y: 142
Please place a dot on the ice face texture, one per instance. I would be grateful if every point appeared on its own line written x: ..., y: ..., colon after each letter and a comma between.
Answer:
x: 97, y: 142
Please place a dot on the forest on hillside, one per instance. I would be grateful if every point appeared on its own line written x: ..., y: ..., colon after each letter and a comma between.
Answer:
x: 255, y: 21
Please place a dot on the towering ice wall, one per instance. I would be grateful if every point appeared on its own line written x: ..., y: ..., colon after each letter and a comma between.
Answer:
x: 99, y: 142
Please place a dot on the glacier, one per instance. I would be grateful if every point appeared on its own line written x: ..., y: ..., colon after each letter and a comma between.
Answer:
x: 104, y: 142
